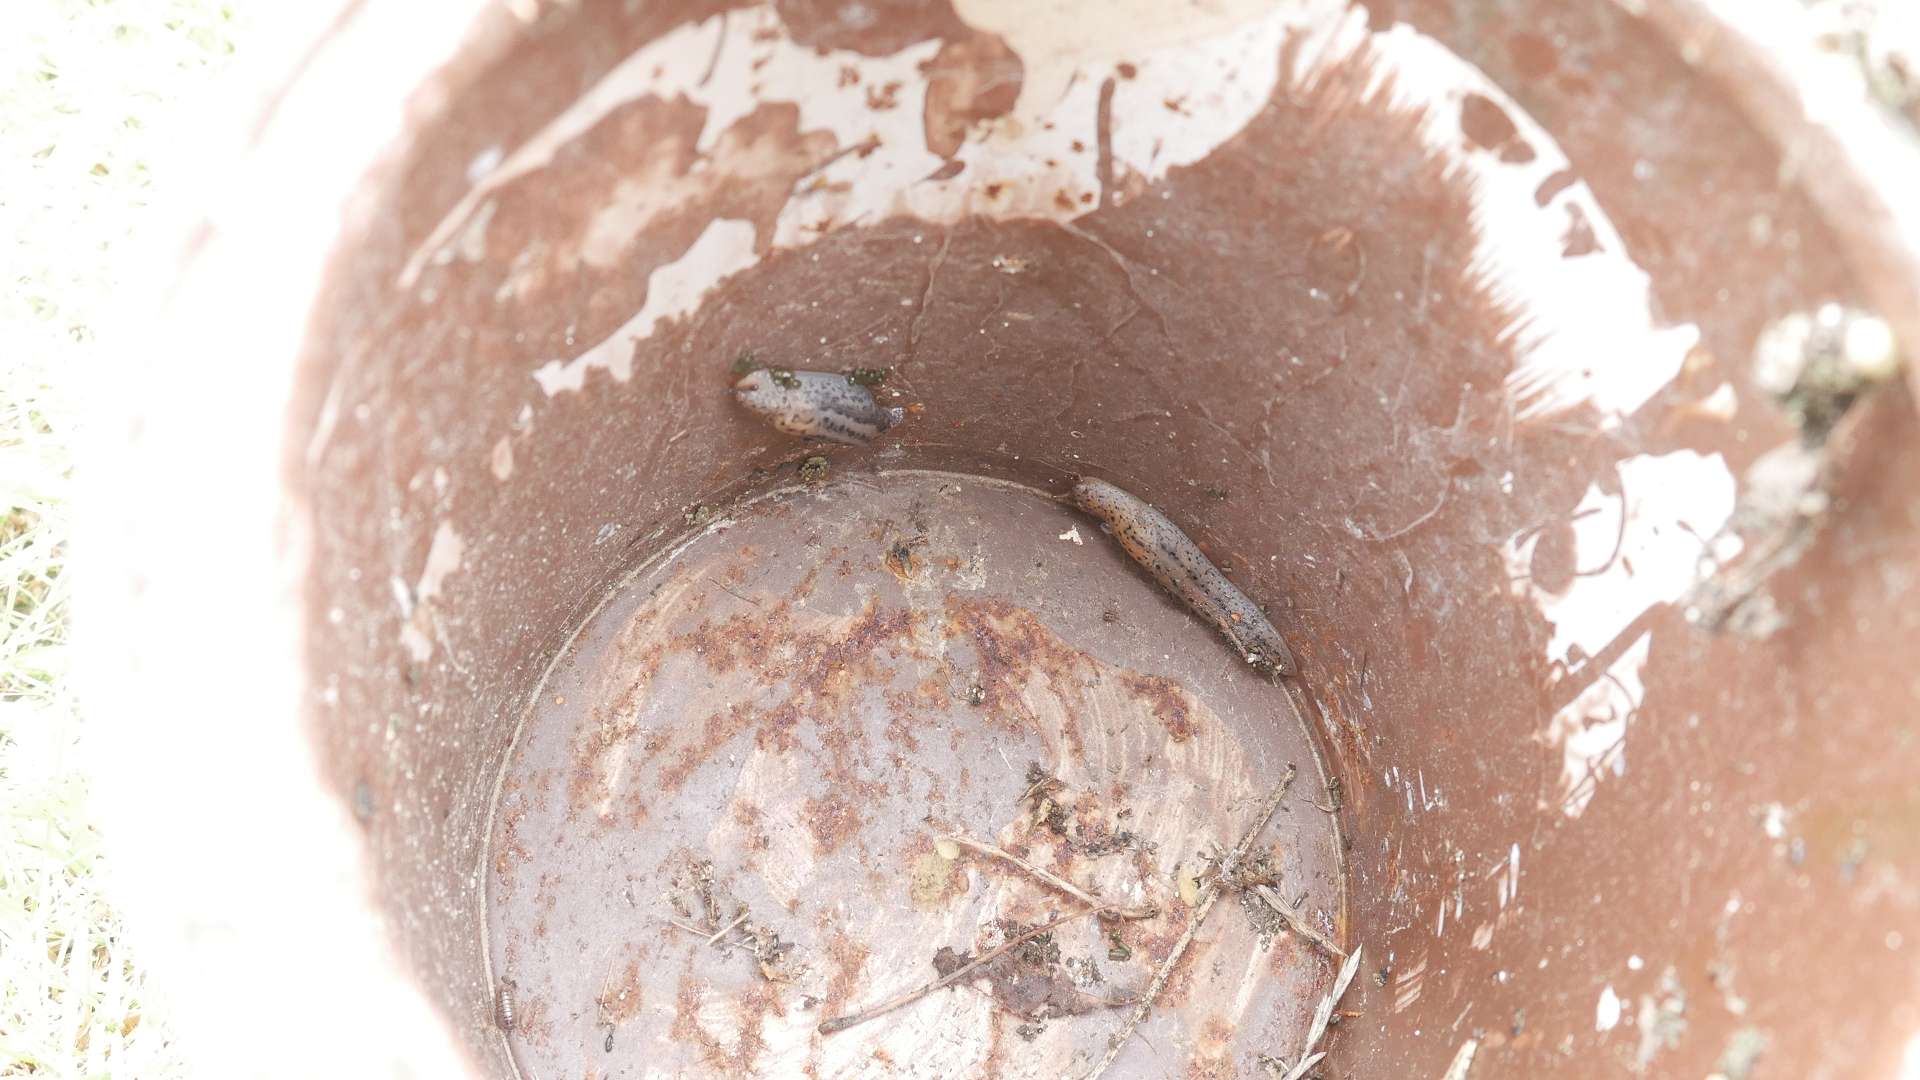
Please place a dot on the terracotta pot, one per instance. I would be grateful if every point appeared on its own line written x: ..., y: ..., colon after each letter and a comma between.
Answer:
x: 504, y: 639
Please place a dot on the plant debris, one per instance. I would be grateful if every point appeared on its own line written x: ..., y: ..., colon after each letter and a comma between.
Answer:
x: 958, y: 973
x: 1145, y: 912
x: 1295, y: 923
x: 1817, y: 368
x: 774, y: 958
x: 1228, y: 868
x: 1032, y: 982
x: 1322, y: 1017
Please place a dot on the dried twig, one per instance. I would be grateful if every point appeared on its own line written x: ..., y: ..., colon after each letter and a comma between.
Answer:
x: 1365, y: 533
x: 722, y: 932
x: 1296, y: 924
x: 1228, y: 868
x: 842, y: 1023
x: 1322, y: 1016
x: 1147, y: 911
x: 702, y: 932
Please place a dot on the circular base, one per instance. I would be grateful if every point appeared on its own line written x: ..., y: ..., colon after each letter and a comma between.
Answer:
x: 726, y: 818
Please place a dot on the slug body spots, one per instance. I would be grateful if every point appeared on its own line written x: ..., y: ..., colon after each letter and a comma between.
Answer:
x: 815, y: 404
x: 1177, y: 563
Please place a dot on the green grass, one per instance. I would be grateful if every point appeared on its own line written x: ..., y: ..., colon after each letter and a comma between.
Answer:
x: 89, y: 95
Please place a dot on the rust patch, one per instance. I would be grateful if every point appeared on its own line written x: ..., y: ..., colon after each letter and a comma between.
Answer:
x: 532, y: 1018
x: 736, y: 1060
x: 716, y: 731
x: 1153, y: 941
x: 825, y: 668
x: 776, y: 731
x: 508, y: 849
x: 848, y: 958
x: 752, y: 821
x: 1168, y: 700
x: 900, y: 723
x: 1212, y: 1050
x: 1012, y: 647
x: 595, y: 746
x: 831, y: 819
x: 622, y: 998
x: 737, y: 640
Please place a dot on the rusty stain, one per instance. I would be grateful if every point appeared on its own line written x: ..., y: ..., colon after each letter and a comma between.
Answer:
x: 623, y: 997
x: 831, y: 819
x: 716, y: 731
x: 752, y: 821
x: 1169, y: 702
x: 847, y: 958
x: 737, y: 1060
x: 1212, y: 1051
x: 1012, y: 647
x: 852, y: 685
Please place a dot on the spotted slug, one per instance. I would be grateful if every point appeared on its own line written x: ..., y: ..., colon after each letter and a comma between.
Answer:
x: 816, y: 404
x: 1176, y: 563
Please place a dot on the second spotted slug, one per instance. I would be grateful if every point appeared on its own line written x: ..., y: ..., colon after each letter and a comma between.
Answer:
x: 817, y: 404
x: 1176, y: 562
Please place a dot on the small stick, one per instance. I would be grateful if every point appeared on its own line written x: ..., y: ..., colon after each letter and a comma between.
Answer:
x: 722, y: 932
x: 1065, y: 886
x: 1228, y: 866
x: 1034, y: 788
x: 700, y: 931
x: 842, y: 1023
x: 1296, y: 924
x: 1368, y: 534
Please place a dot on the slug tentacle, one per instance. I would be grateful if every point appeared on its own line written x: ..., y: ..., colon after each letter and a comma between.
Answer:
x: 815, y: 404
x: 1176, y: 562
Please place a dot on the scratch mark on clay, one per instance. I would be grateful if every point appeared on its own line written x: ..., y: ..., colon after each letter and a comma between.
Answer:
x: 1462, y: 1061
x: 501, y: 461
x: 443, y: 559
x: 1361, y: 532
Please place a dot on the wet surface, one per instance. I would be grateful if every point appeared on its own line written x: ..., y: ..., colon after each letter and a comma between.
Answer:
x: 764, y: 736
